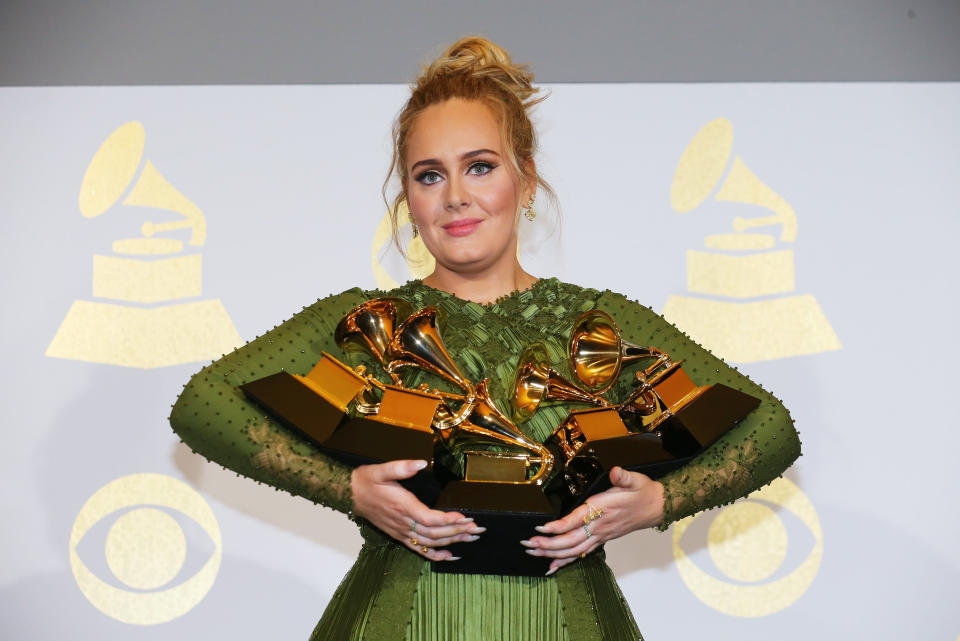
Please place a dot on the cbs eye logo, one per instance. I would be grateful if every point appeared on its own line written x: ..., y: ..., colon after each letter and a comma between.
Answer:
x: 145, y: 549
x: 749, y: 543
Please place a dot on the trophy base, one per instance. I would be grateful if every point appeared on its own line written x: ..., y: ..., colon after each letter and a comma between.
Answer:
x: 706, y: 418
x: 363, y: 441
x: 509, y: 512
x: 296, y: 405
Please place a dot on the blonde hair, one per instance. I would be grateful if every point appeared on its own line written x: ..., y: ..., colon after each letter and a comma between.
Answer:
x: 473, y: 68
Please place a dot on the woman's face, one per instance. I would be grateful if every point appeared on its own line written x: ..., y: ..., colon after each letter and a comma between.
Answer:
x: 462, y: 189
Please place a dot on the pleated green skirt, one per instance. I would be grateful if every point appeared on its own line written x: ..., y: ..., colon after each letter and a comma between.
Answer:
x: 391, y: 594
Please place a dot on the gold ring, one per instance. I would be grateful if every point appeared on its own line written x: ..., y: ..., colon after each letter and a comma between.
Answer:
x: 425, y: 549
x: 583, y: 555
x: 414, y: 542
x: 594, y: 514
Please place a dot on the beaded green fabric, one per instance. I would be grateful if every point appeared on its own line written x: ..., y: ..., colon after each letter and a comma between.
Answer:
x: 392, y: 593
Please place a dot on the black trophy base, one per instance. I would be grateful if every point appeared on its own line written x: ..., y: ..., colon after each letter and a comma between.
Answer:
x: 363, y: 441
x: 711, y: 415
x: 296, y: 405
x: 510, y: 513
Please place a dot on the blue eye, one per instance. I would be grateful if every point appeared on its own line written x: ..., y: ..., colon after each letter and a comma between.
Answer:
x: 480, y: 168
x: 428, y: 177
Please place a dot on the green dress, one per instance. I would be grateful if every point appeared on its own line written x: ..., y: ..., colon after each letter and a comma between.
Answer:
x: 391, y: 593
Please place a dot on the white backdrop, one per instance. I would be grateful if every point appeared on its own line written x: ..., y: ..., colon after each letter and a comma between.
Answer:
x: 287, y: 180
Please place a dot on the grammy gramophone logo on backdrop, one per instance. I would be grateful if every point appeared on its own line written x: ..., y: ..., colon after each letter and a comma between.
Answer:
x: 419, y: 262
x: 742, y: 303
x: 137, y: 323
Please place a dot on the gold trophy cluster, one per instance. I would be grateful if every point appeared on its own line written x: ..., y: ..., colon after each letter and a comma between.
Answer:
x: 353, y: 414
x: 481, y: 463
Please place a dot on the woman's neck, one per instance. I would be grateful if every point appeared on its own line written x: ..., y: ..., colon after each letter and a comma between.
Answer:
x: 480, y: 288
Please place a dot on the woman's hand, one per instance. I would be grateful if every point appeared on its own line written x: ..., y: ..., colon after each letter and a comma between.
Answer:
x: 379, y: 498
x: 633, y: 503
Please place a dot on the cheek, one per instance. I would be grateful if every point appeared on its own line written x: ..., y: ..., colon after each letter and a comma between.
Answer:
x: 500, y: 200
x: 419, y: 203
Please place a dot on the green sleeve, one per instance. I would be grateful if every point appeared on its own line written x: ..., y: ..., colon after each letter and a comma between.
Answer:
x: 755, y: 452
x: 215, y: 419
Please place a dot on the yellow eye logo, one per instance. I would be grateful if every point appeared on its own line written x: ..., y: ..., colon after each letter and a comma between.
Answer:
x: 748, y: 543
x: 145, y: 549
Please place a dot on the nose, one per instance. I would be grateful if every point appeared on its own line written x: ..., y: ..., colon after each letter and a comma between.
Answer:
x: 457, y: 196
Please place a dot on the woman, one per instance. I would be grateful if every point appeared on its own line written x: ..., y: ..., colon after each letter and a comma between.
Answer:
x: 464, y: 152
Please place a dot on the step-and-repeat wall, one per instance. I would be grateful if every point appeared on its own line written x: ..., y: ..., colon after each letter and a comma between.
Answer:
x: 806, y: 232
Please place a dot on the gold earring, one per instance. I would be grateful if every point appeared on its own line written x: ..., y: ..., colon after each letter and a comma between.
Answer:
x: 530, y: 214
x: 416, y: 230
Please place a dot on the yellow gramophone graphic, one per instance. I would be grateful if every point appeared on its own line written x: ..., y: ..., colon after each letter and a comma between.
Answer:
x: 764, y: 320
x: 139, y: 327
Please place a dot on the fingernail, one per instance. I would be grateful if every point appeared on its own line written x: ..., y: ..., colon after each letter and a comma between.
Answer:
x: 454, y: 558
x: 478, y: 530
x: 535, y: 552
x: 421, y: 464
x: 470, y: 538
x: 540, y: 528
x: 466, y: 519
x: 528, y: 544
x: 550, y: 571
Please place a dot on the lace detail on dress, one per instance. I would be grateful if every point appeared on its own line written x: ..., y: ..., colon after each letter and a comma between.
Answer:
x: 721, y: 478
x: 311, y: 476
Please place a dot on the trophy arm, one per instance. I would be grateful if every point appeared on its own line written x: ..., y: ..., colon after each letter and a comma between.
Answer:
x: 663, y: 360
x: 562, y: 390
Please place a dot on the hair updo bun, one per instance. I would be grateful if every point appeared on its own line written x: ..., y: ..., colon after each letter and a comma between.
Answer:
x: 473, y: 68
x: 478, y: 60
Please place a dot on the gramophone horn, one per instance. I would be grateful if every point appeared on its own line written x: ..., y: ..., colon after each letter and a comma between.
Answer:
x: 370, y: 326
x: 113, y: 173
x: 535, y: 381
x: 417, y: 343
x: 598, y: 353
x: 705, y: 161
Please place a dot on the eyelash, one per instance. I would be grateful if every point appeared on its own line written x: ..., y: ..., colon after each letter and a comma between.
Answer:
x: 490, y: 167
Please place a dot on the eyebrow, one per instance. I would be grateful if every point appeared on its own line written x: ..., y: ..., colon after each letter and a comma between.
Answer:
x: 469, y: 154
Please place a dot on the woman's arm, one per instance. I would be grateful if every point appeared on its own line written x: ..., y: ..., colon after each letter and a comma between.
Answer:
x: 215, y: 419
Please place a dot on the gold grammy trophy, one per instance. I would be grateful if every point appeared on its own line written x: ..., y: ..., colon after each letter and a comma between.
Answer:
x: 741, y: 304
x: 349, y: 413
x: 141, y: 326
x: 665, y: 421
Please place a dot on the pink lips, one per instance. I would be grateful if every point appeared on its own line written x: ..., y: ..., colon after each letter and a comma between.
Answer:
x: 463, y: 226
